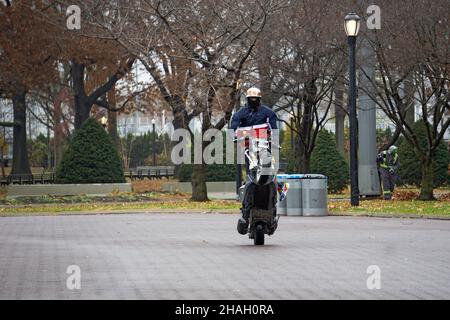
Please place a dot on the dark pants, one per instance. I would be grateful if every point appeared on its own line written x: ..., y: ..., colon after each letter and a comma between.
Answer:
x: 388, y: 182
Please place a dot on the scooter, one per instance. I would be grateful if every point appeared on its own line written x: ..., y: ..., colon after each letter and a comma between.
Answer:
x: 259, y: 194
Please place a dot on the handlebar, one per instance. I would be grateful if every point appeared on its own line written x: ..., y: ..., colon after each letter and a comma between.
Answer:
x: 273, y: 144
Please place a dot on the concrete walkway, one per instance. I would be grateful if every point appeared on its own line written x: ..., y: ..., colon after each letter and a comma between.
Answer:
x: 201, y: 256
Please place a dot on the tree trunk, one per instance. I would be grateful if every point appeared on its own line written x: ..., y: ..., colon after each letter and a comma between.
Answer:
x: 199, y: 192
x: 303, y: 160
x: 427, y: 183
x: 83, y: 101
x: 301, y: 157
x: 20, y: 164
x: 57, y: 134
x: 82, y: 111
x: 409, y: 101
x: 48, y: 163
x: 82, y: 108
x: 269, y: 98
x: 59, y: 126
x: 112, y: 129
x: 340, y: 119
x: 112, y: 119
x: 306, y: 126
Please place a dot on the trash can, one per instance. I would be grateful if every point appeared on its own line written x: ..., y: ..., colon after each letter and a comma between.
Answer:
x: 314, y: 195
x: 293, y: 201
x: 281, y: 205
x: 241, y: 193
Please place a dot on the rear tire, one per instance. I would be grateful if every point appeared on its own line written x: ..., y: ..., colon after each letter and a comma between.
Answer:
x: 259, y: 235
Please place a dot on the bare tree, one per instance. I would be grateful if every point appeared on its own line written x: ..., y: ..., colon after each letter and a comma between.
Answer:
x: 306, y: 66
x: 412, y: 51
x: 24, y: 66
x: 55, y: 117
x: 193, y: 51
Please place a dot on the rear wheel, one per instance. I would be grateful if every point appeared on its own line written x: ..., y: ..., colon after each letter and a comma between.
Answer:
x: 259, y: 235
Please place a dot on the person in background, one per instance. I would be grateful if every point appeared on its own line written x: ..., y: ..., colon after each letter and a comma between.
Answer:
x: 388, y: 164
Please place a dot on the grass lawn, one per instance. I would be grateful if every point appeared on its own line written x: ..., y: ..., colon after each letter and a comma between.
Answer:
x: 399, y: 208
x: 99, y: 207
x: 149, y: 197
x: 146, y: 196
x: 403, y: 204
x: 392, y: 208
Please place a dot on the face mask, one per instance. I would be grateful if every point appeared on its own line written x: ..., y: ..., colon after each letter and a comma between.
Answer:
x: 254, y: 104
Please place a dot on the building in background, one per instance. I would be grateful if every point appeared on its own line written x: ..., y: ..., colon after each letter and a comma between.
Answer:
x: 138, y: 123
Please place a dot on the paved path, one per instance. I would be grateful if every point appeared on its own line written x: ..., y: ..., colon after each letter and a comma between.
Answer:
x: 201, y: 256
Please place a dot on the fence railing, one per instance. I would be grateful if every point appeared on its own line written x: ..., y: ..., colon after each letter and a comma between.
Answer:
x: 140, y: 173
x: 157, y: 172
x: 34, y: 178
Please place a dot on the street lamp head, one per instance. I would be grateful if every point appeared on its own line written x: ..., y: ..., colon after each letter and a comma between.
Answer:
x: 153, y: 121
x: 352, y: 22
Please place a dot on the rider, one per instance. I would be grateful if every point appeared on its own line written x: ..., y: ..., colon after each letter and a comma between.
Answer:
x: 254, y: 113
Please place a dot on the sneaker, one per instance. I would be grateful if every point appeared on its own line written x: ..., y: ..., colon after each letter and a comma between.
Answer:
x: 242, y: 226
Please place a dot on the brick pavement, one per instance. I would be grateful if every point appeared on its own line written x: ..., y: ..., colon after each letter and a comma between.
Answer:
x: 201, y: 256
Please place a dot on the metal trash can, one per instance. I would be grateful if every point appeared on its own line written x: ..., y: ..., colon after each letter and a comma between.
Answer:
x: 294, y: 196
x: 314, y: 195
x: 241, y: 193
x: 281, y: 205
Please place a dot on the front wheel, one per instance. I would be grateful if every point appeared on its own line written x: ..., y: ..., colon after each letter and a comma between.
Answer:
x: 259, y: 235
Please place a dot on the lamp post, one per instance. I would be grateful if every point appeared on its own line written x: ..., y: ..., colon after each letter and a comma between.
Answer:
x: 104, y: 121
x: 238, y: 164
x: 351, y: 25
x: 153, y: 142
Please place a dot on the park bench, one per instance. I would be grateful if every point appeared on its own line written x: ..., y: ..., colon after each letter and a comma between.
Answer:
x: 132, y: 174
x: 34, y: 178
x: 140, y: 173
x: 20, y: 179
x: 45, y: 177
x: 3, y: 181
x: 127, y: 173
x: 155, y: 172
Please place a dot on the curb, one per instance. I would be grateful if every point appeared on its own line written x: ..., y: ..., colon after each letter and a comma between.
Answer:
x: 389, y: 215
x: 118, y: 212
x: 203, y: 211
